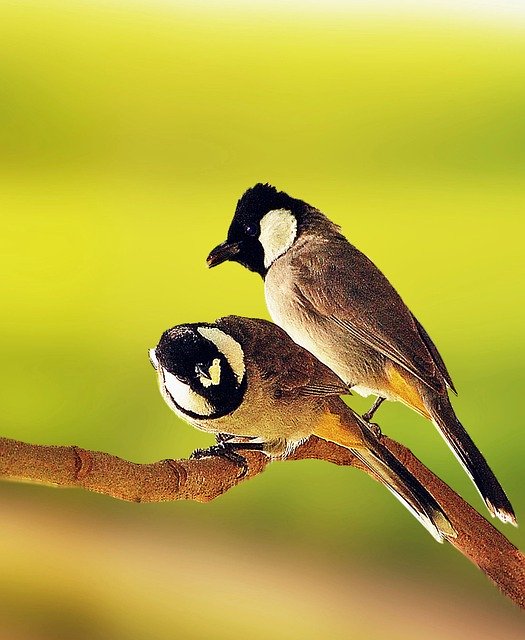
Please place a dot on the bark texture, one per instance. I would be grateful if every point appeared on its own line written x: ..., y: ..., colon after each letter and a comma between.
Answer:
x: 207, y: 478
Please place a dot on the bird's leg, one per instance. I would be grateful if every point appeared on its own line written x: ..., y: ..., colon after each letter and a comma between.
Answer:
x: 227, y: 450
x: 223, y: 437
x: 370, y: 413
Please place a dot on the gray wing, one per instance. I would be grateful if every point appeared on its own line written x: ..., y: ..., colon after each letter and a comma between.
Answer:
x: 438, y: 360
x: 343, y: 285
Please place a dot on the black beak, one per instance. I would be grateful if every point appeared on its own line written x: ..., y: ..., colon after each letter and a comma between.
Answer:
x: 202, y: 371
x: 221, y: 253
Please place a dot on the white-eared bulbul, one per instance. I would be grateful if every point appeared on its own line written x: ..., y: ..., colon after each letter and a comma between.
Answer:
x: 248, y: 383
x: 332, y: 300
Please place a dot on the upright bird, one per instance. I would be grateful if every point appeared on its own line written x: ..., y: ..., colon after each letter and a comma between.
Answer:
x: 332, y: 300
x: 240, y: 378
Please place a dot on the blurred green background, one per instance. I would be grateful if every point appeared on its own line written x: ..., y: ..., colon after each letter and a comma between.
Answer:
x: 127, y: 133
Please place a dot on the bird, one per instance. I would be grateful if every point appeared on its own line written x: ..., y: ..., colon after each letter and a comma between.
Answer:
x: 247, y: 382
x: 336, y: 303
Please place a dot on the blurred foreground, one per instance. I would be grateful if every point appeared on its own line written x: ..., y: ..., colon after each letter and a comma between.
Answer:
x: 123, y: 575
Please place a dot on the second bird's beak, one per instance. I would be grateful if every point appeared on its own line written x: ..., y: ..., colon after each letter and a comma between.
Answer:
x: 204, y: 373
x: 221, y: 253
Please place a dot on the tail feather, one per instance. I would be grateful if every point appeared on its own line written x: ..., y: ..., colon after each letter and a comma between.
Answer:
x: 344, y: 427
x: 386, y: 468
x: 471, y: 458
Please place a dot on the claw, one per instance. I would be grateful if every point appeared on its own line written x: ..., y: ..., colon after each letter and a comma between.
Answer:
x: 222, y: 450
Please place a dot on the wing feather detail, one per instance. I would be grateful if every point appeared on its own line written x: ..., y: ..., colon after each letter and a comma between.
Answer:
x: 342, y: 285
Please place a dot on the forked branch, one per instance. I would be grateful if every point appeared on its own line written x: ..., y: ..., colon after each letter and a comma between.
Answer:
x: 207, y: 478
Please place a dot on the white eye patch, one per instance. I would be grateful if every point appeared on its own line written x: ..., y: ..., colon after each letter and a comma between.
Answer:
x: 183, y: 395
x: 229, y: 348
x: 214, y: 374
x: 278, y: 232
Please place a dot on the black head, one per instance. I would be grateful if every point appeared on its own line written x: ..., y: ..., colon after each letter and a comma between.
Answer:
x: 201, y: 370
x: 254, y: 240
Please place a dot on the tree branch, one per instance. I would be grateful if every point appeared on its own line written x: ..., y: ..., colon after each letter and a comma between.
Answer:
x: 207, y: 478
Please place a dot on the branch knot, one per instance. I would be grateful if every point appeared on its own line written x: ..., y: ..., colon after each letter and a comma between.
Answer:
x: 83, y: 462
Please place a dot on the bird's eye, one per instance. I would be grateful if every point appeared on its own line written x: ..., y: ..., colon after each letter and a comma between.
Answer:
x: 250, y: 229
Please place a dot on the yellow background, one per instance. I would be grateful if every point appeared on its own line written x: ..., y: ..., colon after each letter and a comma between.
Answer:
x: 127, y: 133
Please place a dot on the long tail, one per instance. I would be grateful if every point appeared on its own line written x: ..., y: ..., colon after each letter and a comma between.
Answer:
x: 406, y: 488
x: 353, y: 433
x: 471, y: 458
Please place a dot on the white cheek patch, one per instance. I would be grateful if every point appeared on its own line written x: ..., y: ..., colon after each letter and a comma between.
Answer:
x: 184, y: 395
x: 214, y: 374
x: 229, y: 347
x: 278, y: 232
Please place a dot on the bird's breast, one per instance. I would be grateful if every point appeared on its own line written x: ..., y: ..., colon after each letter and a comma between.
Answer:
x: 346, y: 356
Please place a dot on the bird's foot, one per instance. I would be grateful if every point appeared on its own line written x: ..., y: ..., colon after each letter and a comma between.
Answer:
x: 227, y: 450
x: 223, y: 437
x: 374, y: 428
x: 222, y: 450
x: 367, y: 417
